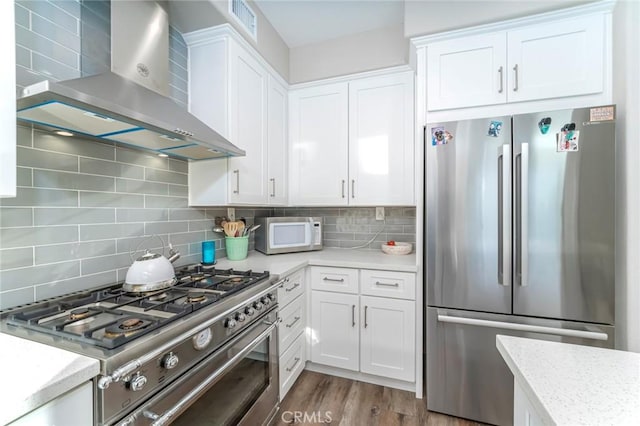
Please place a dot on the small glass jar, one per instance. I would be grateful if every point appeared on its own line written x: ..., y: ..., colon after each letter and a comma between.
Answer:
x: 208, y: 252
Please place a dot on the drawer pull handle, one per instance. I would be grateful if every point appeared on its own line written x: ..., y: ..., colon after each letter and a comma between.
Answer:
x: 353, y: 315
x: 293, y: 287
x: 296, y: 361
x: 365, y: 316
x: 341, y: 280
x: 387, y: 284
x: 295, y: 320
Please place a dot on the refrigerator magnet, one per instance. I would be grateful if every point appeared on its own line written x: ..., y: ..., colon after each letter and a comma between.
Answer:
x: 544, y: 125
x: 568, y: 140
x: 495, y: 127
x: 439, y: 136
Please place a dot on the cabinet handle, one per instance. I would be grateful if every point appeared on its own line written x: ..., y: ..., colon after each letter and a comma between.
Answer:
x: 353, y: 315
x: 293, y: 287
x: 387, y: 284
x: 515, y: 81
x: 343, y: 182
x: 273, y: 182
x: 501, y: 80
x: 290, y: 369
x: 237, y: 173
x: 353, y: 188
x: 365, y: 316
x: 341, y: 280
x: 295, y: 320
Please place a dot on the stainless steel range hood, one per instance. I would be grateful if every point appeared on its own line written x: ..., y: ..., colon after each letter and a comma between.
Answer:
x: 112, y: 106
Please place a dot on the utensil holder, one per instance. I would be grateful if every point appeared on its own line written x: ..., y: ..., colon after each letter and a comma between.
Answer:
x: 237, y: 247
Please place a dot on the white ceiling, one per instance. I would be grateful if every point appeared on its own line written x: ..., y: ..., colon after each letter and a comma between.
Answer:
x: 302, y: 22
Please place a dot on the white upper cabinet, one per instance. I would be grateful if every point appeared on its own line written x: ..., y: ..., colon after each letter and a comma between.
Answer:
x: 247, y: 177
x: 277, y: 143
x: 562, y: 58
x: 467, y: 71
x: 318, y: 156
x: 381, y: 140
x: 557, y: 58
x: 234, y: 91
x: 8, y: 102
x: 351, y: 143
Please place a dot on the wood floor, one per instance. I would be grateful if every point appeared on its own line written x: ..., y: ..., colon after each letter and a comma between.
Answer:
x: 317, y: 398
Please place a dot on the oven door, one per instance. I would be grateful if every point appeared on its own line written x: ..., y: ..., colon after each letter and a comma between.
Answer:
x: 236, y: 385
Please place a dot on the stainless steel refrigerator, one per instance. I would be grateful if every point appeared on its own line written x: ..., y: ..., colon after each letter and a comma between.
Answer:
x: 519, y: 241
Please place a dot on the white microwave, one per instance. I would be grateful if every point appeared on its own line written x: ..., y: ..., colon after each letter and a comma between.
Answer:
x: 288, y: 234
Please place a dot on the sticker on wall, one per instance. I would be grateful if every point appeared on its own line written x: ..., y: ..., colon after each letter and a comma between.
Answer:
x: 606, y: 113
x: 544, y: 125
x: 568, y: 139
x: 439, y: 136
x: 495, y: 127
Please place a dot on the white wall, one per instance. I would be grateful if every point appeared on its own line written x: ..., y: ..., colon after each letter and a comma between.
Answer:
x: 365, y: 51
x: 191, y: 15
x: 626, y: 66
x: 433, y: 16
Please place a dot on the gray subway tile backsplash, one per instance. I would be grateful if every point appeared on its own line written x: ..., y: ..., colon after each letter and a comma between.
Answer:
x: 16, y: 258
x: 28, y: 197
x: 70, y: 216
x: 61, y: 252
x: 46, y: 47
x: 36, y: 236
x: 55, y: 32
x: 110, y: 168
x: 13, y: 279
x: 74, y: 146
x: 9, y: 299
x: 105, y: 232
x: 64, y: 286
x: 52, y: 12
x: 139, y: 186
x: 16, y: 216
x: 46, y: 160
x: 111, y: 199
x: 65, y: 180
x: 155, y: 175
x: 142, y: 215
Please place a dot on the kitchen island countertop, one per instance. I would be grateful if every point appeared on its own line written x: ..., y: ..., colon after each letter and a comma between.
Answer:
x: 284, y: 264
x: 33, y: 374
x: 572, y: 384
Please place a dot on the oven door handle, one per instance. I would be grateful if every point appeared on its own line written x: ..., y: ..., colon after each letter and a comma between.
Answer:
x: 160, y: 420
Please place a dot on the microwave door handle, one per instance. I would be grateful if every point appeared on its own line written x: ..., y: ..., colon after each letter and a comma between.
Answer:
x: 312, y: 233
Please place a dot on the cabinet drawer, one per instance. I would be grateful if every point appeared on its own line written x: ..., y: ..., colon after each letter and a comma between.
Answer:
x: 341, y: 280
x: 290, y: 288
x: 291, y: 324
x: 399, y: 285
x: 291, y: 365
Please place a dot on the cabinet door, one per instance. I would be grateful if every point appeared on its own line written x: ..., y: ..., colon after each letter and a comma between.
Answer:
x: 335, y: 329
x: 247, y: 176
x: 277, y: 143
x: 381, y: 140
x: 8, y: 102
x: 563, y: 58
x: 319, y: 145
x: 467, y: 71
x: 388, y: 337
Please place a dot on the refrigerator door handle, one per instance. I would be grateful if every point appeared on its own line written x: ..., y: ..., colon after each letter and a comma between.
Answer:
x: 524, y: 214
x: 504, y: 226
x: 594, y: 335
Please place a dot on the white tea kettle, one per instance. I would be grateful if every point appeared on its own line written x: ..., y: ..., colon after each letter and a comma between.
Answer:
x: 151, y: 271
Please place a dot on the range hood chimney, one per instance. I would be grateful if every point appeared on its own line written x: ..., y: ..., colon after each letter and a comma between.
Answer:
x: 128, y: 105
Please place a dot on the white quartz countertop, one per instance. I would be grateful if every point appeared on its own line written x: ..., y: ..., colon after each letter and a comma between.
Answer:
x: 284, y: 264
x: 33, y: 374
x: 573, y: 384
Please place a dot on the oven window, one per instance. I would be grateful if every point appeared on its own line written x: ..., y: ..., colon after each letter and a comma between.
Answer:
x: 231, y: 397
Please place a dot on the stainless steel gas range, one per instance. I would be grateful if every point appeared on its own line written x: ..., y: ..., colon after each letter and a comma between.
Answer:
x: 200, y: 352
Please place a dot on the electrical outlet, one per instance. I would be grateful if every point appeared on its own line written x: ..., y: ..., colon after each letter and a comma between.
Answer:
x: 379, y: 213
x: 231, y: 213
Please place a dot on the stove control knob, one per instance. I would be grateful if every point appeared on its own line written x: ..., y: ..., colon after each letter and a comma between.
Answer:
x: 240, y: 317
x: 257, y: 306
x: 170, y: 360
x: 230, y: 323
x: 249, y: 311
x: 265, y: 301
x: 137, y: 382
x: 271, y: 297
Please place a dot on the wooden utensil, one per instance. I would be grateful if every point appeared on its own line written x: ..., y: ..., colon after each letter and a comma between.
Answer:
x: 230, y: 229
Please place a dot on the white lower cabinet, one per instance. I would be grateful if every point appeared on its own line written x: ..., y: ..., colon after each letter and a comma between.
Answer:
x: 524, y: 413
x: 335, y: 330
x: 291, y: 326
x: 360, y: 332
x: 73, y: 408
x: 387, y: 337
